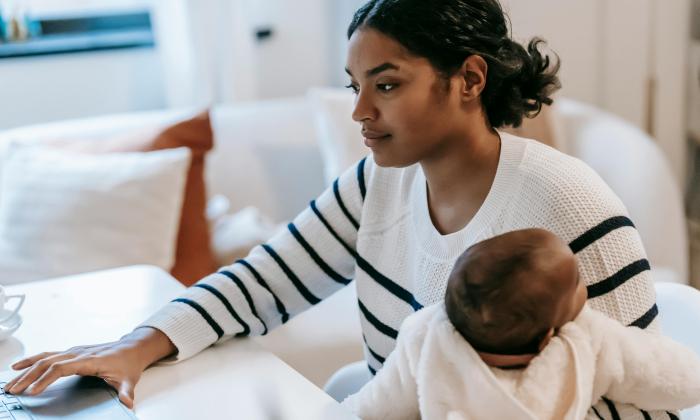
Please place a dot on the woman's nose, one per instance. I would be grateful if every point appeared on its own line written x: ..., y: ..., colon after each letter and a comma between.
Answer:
x: 364, y: 108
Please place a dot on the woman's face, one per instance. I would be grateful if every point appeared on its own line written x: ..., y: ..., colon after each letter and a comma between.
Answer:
x: 408, y: 113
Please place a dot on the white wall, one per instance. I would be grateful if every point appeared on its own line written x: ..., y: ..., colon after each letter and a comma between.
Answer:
x: 672, y: 46
x: 569, y: 27
x: 296, y: 57
x: 611, y: 51
x: 342, y: 13
x: 55, y: 87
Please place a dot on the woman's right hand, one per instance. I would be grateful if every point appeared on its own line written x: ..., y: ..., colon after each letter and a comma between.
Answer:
x: 119, y: 363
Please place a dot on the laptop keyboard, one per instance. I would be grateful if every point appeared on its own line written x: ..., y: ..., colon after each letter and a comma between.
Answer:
x: 8, y: 404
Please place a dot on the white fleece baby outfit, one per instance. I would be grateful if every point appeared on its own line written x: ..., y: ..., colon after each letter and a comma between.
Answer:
x: 435, y: 374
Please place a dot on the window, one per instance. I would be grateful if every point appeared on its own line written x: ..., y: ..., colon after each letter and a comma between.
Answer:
x: 46, y: 8
x: 71, y: 26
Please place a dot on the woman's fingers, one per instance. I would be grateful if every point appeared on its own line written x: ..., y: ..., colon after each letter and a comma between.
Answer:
x: 25, y: 363
x: 59, y: 369
x: 117, y: 363
x: 35, y: 371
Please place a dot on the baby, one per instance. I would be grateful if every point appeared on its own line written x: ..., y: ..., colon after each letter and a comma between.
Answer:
x: 515, y: 339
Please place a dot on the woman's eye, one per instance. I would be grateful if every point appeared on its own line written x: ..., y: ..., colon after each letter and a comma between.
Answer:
x: 386, y: 87
x: 352, y: 87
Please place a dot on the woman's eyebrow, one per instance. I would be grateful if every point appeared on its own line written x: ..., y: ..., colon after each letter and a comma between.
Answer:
x: 376, y: 70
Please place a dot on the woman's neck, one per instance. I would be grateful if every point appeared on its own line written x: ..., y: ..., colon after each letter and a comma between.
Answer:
x: 460, y: 175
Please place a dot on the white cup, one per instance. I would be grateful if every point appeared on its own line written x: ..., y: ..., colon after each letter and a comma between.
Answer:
x: 4, y: 300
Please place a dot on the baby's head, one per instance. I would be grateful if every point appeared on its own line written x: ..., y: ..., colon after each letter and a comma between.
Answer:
x: 508, y: 294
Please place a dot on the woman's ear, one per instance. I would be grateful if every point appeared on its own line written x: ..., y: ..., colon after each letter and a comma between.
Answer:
x: 473, y: 72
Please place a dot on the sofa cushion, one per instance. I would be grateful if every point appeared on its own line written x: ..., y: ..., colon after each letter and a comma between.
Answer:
x: 64, y: 212
x: 266, y: 155
x: 194, y: 258
x: 339, y: 136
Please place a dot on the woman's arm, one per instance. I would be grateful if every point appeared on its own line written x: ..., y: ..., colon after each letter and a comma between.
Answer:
x: 307, y: 262
x: 312, y: 259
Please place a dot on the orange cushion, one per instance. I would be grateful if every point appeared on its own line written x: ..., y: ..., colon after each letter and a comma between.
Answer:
x: 194, y: 258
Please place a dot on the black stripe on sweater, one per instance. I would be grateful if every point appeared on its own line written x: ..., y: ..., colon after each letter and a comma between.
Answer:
x: 278, y: 303
x: 617, y: 279
x: 597, y: 413
x: 388, y: 284
x: 341, y: 204
x: 646, y: 319
x: 310, y: 297
x: 317, y: 258
x: 331, y: 230
x: 363, y: 264
x: 374, y: 354
x: 246, y: 295
x: 672, y: 416
x: 613, y: 410
x: 379, y: 325
x: 372, y: 371
x: 598, y: 232
x: 361, y: 178
x: 229, y: 308
x: 214, y: 326
x: 645, y: 415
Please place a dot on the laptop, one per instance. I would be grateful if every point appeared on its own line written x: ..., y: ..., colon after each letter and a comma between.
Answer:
x: 68, y: 398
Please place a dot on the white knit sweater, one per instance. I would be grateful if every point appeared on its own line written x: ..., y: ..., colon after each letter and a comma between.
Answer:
x: 434, y: 374
x: 373, y: 225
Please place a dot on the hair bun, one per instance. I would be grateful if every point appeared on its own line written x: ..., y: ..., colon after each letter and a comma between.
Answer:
x: 528, y: 78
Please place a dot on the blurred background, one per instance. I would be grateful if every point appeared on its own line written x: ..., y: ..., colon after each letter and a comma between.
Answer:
x: 65, y: 59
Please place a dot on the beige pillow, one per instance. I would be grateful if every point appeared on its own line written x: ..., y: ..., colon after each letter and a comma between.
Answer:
x: 194, y: 258
x: 65, y: 213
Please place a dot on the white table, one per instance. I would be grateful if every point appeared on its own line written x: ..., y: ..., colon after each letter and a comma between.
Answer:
x: 237, y: 379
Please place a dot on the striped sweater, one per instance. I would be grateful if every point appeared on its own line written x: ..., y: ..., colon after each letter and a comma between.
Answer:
x: 373, y: 225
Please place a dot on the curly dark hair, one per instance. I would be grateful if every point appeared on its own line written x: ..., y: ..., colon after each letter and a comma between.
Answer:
x: 518, y: 82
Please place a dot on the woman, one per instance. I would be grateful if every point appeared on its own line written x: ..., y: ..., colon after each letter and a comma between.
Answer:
x: 433, y: 81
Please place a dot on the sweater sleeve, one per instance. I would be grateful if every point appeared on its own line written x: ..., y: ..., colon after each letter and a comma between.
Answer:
x: 649, y: 371
x: 392, y: 393
x: 310, y: 260
x: 577, y: 205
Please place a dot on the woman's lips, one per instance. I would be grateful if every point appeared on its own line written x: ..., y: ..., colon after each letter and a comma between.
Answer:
x: 374, y: 138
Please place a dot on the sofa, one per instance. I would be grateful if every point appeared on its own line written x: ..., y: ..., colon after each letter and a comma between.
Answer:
x: 276, y: 155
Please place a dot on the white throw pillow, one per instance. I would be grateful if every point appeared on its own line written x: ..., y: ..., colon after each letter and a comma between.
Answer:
x: 340, y: 137
x: 64, y: 213
x: 235, y: 235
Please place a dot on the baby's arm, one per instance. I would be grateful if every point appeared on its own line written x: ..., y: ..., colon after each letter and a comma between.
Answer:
x: 651, y: 371
x: 392, y: 394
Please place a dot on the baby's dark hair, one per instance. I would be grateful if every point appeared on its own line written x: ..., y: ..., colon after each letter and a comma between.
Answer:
x: 518, y: 81
x: 498, y: 295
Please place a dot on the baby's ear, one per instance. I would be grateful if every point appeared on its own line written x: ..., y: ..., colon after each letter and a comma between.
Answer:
x: 545, y: 340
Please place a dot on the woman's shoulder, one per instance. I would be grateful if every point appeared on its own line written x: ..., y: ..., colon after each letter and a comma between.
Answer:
x: 552, y: 176
x: 548, y: 164
x: 561, y: 193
